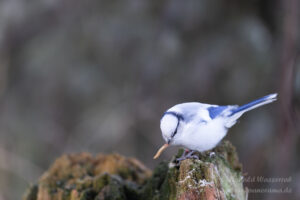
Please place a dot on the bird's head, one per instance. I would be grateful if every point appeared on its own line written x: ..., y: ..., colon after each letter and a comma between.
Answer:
x: 169, y: 125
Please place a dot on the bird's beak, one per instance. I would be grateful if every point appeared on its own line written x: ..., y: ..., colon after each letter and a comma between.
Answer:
x: 160, y: 151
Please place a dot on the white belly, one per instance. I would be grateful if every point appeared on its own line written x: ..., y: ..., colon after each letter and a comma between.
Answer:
x: 202, y: 137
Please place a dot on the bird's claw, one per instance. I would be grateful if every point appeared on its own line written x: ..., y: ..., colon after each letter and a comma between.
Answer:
x: 187, y: 155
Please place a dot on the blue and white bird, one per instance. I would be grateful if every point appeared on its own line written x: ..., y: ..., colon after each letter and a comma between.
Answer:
x: 200, y: 127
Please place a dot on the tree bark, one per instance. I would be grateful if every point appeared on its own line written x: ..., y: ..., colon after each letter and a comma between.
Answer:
x: 216, y: 175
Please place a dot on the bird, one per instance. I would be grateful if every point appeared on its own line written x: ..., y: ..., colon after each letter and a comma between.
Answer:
x: 200, y: 127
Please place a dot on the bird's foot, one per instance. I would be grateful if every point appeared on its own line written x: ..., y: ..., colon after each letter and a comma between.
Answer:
x: 188, y: 154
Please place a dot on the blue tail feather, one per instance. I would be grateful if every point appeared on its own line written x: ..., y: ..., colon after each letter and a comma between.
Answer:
x: 256, y: 103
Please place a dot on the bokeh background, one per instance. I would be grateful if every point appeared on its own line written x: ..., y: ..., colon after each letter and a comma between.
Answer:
x: 97, y: 75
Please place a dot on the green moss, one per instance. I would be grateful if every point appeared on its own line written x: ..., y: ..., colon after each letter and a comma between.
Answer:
x: 101, y: 181
x: 113, y: 191
x: 132, y: 191
x: 127, y: 173
x: 116, y: 190
x: 31, y: 193
x: 168, y: 188
x: 153, y: 185
x: 66, y: 194
x: 200, y: 170
x: 82, y: 184
x: 87, y: 194
x: 228, y: 153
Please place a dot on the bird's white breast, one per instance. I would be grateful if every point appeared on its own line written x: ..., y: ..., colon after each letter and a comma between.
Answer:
x: 202, y: 136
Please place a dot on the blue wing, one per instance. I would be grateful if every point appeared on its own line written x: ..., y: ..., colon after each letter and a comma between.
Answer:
x: 214, y: 111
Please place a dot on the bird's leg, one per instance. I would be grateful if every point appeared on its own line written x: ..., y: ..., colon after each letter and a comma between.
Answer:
x: 186, y: 151
x: 190, y: 155
x: 186, y: 155
x: 182, y: 157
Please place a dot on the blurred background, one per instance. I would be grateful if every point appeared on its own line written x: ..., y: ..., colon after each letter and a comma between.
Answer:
x: 96, y: 76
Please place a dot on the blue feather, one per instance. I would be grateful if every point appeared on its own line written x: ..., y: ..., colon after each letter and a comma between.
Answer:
x: 253, y: 103
x: 214, y: 111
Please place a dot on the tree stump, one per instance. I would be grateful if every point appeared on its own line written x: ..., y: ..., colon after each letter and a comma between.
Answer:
x: 216, y: 175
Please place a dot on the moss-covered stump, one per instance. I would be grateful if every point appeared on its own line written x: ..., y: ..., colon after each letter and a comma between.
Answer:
x: 217, y: 175
x: 81, y: 176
